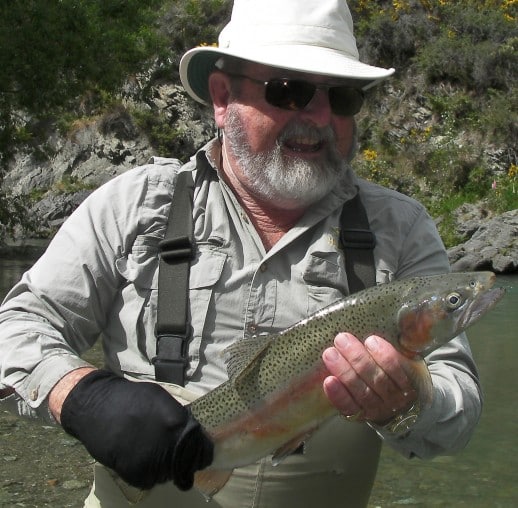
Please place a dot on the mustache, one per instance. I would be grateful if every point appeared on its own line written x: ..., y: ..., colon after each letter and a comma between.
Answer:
x: 307, y: 131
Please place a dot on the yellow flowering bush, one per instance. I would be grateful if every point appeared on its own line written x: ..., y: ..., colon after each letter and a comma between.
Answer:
x: 370, y: 155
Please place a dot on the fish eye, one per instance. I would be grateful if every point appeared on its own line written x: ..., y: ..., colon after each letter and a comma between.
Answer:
x: 453, y: 300
x: 472, y: 284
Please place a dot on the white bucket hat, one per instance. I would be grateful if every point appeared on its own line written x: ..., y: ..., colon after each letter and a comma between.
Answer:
x: 312, y: 36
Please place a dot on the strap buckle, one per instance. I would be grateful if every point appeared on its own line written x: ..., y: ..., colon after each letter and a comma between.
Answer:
x: 355, y: 238
x: 170, y: 361
x: 176, y: 249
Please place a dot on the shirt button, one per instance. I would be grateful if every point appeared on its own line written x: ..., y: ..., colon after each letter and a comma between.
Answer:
x: 34, y: 394
x: 252, y: 328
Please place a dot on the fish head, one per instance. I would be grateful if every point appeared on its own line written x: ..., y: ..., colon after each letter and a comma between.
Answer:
x: 442, y: 307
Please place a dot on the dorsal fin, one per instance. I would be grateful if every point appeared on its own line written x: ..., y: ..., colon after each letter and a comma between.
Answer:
x: 241, y: 356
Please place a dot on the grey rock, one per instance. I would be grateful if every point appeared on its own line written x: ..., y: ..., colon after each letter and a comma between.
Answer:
x: 469, y: 218
x: 493, y: 246
x: 75, y: 485
x: 52, y: 210
x: 98, y: 149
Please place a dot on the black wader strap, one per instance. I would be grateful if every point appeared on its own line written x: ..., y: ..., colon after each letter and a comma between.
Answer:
x: 176, y: 252
x: 358, y: 243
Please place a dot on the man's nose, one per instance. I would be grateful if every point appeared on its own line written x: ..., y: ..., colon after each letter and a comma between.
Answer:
x: 319, y: 108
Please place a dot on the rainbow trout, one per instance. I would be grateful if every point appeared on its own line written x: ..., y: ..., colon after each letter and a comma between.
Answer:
x: 274, y: 399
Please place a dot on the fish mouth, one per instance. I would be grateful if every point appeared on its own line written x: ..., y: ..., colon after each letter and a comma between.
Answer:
x: 481, y: 304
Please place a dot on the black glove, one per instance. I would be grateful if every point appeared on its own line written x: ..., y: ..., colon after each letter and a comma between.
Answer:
x: 137, y: 429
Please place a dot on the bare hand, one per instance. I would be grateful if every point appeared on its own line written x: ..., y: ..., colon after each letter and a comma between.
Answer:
x: 366, y: 379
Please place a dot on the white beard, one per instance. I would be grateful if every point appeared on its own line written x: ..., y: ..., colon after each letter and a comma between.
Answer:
x: 283, y: 179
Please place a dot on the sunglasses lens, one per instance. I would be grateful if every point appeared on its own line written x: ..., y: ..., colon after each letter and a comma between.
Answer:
x: 289, y: 94
x: 295, y: 95
x: 345, y: 101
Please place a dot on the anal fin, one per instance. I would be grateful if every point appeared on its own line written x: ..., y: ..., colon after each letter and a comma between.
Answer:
x: 210, y: 481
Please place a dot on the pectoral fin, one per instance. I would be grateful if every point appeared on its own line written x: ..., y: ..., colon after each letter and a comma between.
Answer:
x: 418, y: 372
x: 288, y: 448
x: 241, y: 356
x: 210, y: 481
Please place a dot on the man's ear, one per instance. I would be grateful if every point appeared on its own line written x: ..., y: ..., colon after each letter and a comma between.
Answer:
x: 219, y: 89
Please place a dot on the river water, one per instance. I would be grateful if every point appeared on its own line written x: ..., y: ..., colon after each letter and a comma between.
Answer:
x: 41, y: 466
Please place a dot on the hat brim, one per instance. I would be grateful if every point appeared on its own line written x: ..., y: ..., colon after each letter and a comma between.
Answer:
x: 197, y: 64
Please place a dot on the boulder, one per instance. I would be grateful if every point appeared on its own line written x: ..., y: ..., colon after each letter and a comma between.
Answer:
x: 492, y: 246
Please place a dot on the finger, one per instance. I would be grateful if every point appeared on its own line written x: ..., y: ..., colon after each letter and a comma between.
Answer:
x: 357, y: 356
x: 340, y: 367
x: 370, y: 386
x: 393, y: 385
x: 388, y: 359
x: 335, y: 390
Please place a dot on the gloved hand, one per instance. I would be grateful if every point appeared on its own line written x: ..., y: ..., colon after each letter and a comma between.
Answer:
x: 137, y: 429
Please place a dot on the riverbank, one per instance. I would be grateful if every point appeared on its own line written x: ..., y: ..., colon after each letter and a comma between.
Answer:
x: 27, y: 249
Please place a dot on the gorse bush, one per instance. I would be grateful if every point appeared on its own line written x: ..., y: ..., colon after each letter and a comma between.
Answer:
x: 190, y: 23
x: 391, y: 42
x: 477, y: 49
x: 470, y: 43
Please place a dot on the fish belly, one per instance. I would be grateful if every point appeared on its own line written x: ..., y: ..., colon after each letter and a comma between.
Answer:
x: 277, y: 424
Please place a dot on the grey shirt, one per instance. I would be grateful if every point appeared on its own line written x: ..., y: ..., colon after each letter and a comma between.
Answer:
x: 98, y: 279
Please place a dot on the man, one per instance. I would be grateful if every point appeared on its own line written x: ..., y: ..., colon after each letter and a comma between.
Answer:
x: 285, y: 86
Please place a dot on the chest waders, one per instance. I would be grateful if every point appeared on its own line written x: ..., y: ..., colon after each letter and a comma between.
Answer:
x: 335, y: 468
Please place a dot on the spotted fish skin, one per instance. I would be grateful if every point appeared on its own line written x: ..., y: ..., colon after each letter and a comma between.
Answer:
x: 274, y: 399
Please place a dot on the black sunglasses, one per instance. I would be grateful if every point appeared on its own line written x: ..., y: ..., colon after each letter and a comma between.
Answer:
x: 296, y: 94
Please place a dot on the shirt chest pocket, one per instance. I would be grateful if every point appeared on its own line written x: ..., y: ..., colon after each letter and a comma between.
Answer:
x: 131, y: 330
x: 134, y: 325
x: 325, y: 280
x: 206, y: 271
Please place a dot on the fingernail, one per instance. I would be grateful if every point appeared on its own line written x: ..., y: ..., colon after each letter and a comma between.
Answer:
x: 331, y: 354
x: 371, y: 343
x: 342, y: 340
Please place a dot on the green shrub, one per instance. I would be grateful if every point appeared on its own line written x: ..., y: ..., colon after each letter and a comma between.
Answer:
x: 190, y: 23
x: 394, y: 42
x: 504, y: 192
x: 70, y: 184
x: 498, y: 116
x: 476, y: 48
x: 470, y: 43
x: 166, y: 139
